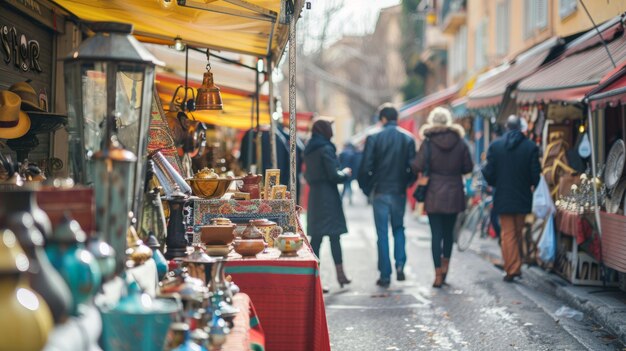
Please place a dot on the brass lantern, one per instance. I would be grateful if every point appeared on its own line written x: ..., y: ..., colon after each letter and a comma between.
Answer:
x: 209, y: 96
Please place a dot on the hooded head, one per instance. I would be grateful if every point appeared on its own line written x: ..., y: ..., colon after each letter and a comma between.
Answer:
x: 440, y: 122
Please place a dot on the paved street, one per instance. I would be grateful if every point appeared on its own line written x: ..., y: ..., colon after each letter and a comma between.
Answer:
x: 476, y: 311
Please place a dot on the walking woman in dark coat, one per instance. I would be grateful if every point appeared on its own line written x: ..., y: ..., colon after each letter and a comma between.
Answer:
x: 445, y: 197
x: 325, y: 212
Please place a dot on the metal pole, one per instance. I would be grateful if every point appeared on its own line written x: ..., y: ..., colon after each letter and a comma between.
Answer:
x: 593, y: 168
x: 292, y: 107
x: 259, y: 135
x: 272, y: 108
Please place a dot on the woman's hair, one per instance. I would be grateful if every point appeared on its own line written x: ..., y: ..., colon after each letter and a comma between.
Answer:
x: 323, y: 128
x: 440, y: 116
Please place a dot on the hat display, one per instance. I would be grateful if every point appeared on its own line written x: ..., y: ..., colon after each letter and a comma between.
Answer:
x: 30, y: 99
x: 14, y: 123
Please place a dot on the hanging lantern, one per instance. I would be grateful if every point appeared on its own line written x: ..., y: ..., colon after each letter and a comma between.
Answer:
x: 109, y: 83
x: 209, y: 96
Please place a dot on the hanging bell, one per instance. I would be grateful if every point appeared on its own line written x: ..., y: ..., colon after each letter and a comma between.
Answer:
x: 209, y: 96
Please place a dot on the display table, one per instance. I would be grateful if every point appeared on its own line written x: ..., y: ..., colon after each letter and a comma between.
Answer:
x: 576, y: 231
x: 287, y: 294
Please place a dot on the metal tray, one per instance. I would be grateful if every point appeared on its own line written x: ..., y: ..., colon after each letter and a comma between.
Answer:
x: 615, y: 164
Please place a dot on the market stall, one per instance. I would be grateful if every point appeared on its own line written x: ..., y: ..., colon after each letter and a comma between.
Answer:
x: 554, y: 98
x: 607, y: 101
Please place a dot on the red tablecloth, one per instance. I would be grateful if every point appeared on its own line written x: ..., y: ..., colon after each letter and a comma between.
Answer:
x: 246, y: 333
x: 287, y: 294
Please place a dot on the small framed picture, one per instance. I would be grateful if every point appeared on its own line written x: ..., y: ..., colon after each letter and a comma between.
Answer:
x: 272, y: 177
x: 279, y: 192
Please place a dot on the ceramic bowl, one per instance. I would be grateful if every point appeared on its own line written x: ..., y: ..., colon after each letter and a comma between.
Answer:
x: 217, y: 234
x: 289, y: 243
x: 217, y: 250
x: 248, y: 247
x: 209, y: 188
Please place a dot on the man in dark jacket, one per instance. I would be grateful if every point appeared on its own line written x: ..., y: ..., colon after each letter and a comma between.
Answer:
x: 513, y: 168
x: 384, y: 175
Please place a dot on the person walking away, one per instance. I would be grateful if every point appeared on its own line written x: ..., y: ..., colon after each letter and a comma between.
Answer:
x: 384, y: 176
x: 325, y: 212
x: 348, y: 159
x: 447, y: 156
x: 513, y: 169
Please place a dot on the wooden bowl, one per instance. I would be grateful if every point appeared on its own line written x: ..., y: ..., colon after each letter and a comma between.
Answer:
x: 209, y: 188
x: 217, y: 234
x: 248, y: 247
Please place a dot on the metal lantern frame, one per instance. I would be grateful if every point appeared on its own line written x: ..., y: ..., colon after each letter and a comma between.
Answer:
x: 97, y: 73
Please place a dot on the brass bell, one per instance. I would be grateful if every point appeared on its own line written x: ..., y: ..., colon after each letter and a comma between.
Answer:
x: 209, y: 96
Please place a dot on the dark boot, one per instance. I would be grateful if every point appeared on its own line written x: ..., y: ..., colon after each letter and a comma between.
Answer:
x: 445, y: 263
x: 341, y: 276
x: 438, y: 278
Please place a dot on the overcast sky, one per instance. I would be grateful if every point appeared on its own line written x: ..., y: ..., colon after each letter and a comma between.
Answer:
x: 356, y: 16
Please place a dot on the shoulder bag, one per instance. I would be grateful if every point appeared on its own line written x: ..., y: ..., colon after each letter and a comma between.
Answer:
x: 422, y: 182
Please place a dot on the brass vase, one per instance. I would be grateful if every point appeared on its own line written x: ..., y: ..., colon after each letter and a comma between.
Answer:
x: 25, y: 320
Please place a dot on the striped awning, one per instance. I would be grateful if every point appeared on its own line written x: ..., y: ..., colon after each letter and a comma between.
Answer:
x: 490, y: 92
x: 429, y: 102
x: 577, y: 71
x: 611, y: 91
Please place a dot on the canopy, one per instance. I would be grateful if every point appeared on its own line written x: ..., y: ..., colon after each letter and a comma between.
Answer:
x: 611, y: 91
x: 490, y: 92
x: 578, y: 70
x: 238, y: 104
x: 429, y: 101
x: 248, y: 27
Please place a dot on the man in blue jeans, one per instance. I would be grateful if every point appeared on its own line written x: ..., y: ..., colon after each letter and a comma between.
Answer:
x: 384, y: 176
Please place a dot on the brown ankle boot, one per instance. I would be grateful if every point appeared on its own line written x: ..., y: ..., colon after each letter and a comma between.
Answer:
x: 341, y: 276
x: 445, y: 263
x: 438, y: 278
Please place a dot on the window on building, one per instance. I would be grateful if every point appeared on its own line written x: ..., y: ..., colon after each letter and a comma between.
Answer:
x: 535, y: 16
x: 567, y: 7
x: 480, y: 49
x: 502, y: 28
x: 458, y: 54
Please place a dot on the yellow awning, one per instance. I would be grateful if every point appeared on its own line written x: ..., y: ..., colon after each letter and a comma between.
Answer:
x: 238, y: 104
x: 240, y: 26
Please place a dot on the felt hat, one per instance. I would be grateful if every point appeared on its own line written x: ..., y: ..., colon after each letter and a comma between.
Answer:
x: 14, y: 123
x: 30, y: 99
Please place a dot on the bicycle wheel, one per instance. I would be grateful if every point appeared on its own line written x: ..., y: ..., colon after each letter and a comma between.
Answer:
x: 468, y: 229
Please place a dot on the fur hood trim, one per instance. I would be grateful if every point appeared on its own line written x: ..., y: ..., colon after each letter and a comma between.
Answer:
x: 429, y: 129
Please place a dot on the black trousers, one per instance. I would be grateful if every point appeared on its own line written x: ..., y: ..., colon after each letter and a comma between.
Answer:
x: 441, y: 227
x: 335, y: 246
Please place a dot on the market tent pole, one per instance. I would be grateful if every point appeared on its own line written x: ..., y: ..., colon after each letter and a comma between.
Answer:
x: 270, y: 71
x: 292, y: 106
x: 592, y: 139
x: 258, y: 139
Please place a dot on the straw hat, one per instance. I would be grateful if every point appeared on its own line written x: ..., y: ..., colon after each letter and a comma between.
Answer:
x: 14, y: 123
x: 30, y: 99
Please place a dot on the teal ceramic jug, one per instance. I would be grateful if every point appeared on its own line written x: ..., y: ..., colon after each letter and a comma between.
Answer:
x: 78, y: 267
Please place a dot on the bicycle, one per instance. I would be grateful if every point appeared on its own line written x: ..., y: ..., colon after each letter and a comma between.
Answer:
x: 477, y: 218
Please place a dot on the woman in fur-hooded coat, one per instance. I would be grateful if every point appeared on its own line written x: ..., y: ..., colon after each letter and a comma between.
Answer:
x: 445, y: 198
